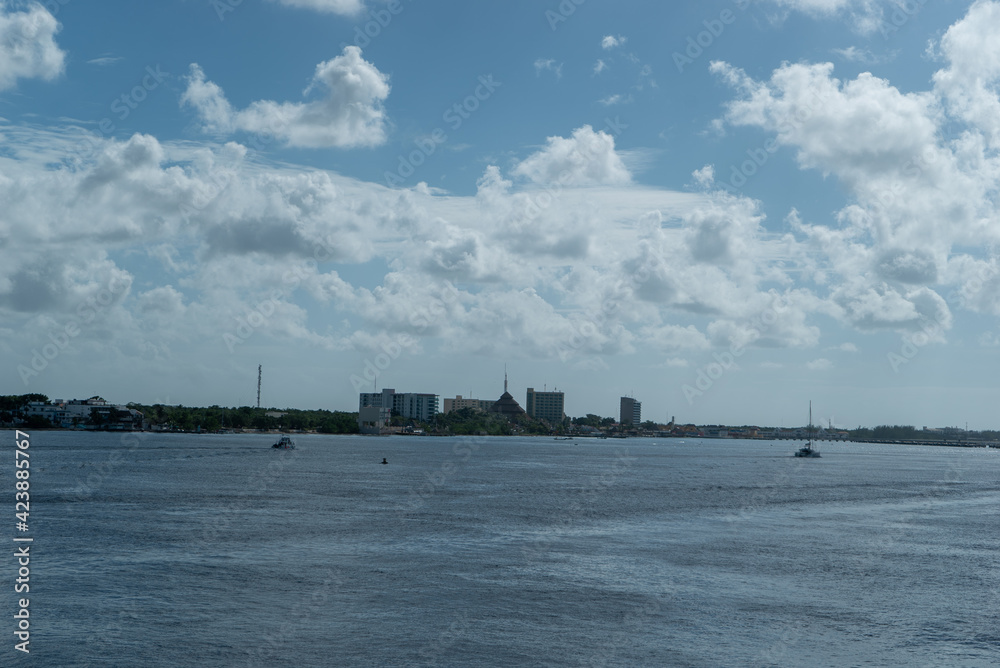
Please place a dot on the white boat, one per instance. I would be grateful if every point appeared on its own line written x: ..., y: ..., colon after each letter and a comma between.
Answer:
x: 808, y: 450
x: 285, y: 443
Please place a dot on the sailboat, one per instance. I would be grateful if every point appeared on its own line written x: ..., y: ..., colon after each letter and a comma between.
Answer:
x: 808, y: 450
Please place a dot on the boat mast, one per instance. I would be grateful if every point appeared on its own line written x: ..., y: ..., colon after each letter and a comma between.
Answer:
x: 809, y: 429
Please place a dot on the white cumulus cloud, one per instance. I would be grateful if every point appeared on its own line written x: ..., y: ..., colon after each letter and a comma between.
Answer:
x: 587, y: 158
x: 920, y: 168
x: 348, y: 113
x: 28, y: 47
x: 971, y: 82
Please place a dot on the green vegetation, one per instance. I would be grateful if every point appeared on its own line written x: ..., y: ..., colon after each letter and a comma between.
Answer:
x: 37, y: 422
x: 469, y: 421
x: 11, y: 406
x: 591, y: 420
x: 101, y: 418
x: 214, y: 418
x: 15, y: 402
x: 901, y: 432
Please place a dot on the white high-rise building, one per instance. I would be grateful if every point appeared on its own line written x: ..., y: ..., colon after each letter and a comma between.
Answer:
x: 409, y: 405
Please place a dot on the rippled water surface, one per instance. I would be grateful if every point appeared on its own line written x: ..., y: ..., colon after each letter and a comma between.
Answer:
x: 184, y: 550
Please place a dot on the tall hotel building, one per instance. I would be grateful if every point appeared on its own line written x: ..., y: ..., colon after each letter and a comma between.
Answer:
x: 631, y: 412
x: 545, y: 405
x: 412, y: 406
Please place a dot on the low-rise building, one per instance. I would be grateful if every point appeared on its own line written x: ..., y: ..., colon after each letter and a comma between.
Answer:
x: 374, y: 420
x: 458, y: 403
x: 93, y: 413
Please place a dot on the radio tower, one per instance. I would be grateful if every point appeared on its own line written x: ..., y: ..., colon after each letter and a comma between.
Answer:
x: 259, y: 367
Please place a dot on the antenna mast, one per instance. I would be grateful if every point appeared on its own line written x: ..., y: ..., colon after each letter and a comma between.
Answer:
x: 259, y: 367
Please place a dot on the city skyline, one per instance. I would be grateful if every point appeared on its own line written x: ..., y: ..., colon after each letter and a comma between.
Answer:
x: 459, y: 402
x: 723, y: 208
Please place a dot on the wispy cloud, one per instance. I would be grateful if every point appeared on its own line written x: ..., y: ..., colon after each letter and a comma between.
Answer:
x: 104, y: 60
x: 342, y: 7
x: 853, y: 54
x: 612, y: 42
x: 548, y: 65
x: 617, y: 98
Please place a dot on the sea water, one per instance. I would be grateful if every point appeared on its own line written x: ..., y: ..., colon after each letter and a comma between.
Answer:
x: 216, y: 550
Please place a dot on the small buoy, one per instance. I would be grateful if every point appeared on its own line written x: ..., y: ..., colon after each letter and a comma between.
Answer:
x: 384, y: 461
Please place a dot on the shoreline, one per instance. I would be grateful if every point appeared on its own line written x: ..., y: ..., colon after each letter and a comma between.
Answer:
x: 929, y: 443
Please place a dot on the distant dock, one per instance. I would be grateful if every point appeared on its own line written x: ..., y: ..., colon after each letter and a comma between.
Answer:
x: 941, y: 443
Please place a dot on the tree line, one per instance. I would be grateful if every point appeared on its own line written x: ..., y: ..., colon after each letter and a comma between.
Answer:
x: 216, y: 418
x: 12, y: 406
x: 900, y: 432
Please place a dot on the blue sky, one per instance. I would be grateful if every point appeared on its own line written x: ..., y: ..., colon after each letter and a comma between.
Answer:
x: 722, y: 208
